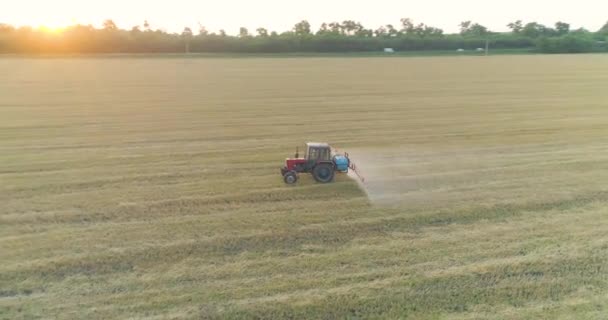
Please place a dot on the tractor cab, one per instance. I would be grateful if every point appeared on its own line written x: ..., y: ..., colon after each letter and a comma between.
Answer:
x: 317, y: 152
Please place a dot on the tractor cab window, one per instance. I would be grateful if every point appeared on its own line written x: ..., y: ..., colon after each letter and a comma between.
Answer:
x: 313, y: 154
x: 324, y: 154
x: 320, y: 154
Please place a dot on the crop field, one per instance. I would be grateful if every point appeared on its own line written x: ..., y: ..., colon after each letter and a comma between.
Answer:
x: 150, y: 188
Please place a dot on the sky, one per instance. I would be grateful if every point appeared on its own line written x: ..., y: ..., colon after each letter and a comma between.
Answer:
x: 281, y: 15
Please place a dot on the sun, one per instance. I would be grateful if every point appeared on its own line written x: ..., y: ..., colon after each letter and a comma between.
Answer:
x: 52, y: 29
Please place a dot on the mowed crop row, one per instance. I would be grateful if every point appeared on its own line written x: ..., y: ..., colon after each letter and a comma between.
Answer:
x: 149, y: 187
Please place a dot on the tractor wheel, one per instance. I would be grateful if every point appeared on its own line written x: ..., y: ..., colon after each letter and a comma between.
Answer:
x: 323, y: 173
x: 290, y: 177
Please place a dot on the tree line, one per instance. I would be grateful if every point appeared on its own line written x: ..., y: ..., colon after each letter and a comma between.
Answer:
x: 345, y: 36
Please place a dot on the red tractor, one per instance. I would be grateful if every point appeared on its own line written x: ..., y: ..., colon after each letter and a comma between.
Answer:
x: 321, y: 161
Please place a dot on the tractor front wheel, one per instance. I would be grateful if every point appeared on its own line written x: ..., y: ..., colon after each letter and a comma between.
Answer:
x: 290, y: 177
x: 323, y: 173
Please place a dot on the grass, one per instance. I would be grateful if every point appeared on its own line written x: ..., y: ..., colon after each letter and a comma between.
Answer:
x: 149, y: 188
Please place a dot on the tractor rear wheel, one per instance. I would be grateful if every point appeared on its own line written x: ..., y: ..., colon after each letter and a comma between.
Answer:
x: 323, y: 173
x: 290, y: 177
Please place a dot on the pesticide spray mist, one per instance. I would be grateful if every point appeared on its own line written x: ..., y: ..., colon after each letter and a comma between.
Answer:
x: 448, y: 177
x: 381, y: 174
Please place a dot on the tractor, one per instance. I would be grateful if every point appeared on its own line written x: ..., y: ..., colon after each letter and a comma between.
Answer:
x: 321, y: 161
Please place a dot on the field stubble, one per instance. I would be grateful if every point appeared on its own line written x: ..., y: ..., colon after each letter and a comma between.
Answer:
x: 149, y: 188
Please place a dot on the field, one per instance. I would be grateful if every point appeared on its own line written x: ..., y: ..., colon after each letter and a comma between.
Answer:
x: 150, y: 188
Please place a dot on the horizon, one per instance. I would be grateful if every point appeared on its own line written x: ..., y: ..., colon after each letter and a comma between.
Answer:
x: 59, y: 14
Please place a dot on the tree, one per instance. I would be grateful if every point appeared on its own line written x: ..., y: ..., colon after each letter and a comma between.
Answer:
x: 344, y: 36
x: 6, y: 28
x: 222, y: 33
x: 580, y: 32
x: 380, y: 32
x: 516, y: 26
x: 202, y: 31
x: 335, y: 27
x: 324, y: 29
x: 432, y: 31
x: 604, y: 29
x: 350, y: 27
x: 407, y: 26
x: 262, y: 32
x: 571, y: 43
x: 302, y: 28
x: 109, y: 25
x: 533, y: 30
x: 562, y: 28
x: 465, y: 26
x: 478, y: 30
x: 419, y: 30
x: 366, y: 33
x: 391, y: 31
x: 187, y: 35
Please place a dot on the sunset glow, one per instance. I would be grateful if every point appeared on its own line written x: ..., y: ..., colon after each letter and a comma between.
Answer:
x: 55, y: 24
x: 52, y: 29
x: 279, y: 15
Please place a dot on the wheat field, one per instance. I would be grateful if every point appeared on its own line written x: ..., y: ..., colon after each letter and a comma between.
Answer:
x: 135, y: 187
